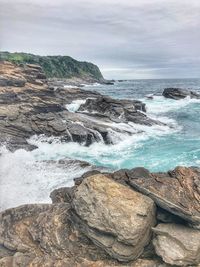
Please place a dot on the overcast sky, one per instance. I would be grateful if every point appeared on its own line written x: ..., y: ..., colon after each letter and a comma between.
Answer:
x: 125, y: 38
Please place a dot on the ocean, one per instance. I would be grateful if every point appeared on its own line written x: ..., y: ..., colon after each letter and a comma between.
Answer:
x: 25, y: 177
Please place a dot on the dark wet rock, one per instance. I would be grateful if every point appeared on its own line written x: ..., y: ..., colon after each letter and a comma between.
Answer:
x: 177, y: 191
x: 177, y: 245
x: 104, y: 211
x: 112, y: 107
x: 7, y: 80
x: 62, y: 195
x: 118, y: 110
x: 179, y: 93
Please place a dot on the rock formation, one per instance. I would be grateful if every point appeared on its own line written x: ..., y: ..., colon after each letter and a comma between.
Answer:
x: 125, y: 218
x: 101, y: 221
x: 177, y: 191
x: 178, y: 93
x: 177, y: 244
x: 104, y: 211
x: 58, y: 66
x: 30, y: 105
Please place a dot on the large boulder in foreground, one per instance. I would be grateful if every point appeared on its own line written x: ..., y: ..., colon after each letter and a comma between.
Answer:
x: 177, y: 191
x: 178, y: 93
x: 116, y: 218
x: 177, y: 244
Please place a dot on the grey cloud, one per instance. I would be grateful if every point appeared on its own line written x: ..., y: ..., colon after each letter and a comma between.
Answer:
x: 127, y: 39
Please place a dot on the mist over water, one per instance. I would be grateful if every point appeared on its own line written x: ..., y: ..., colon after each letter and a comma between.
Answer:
x: 26, y: 177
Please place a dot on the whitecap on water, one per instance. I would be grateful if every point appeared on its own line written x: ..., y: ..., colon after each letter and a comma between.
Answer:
x: 98, y: 153
x: 160, y: 104
x: 74, y: 106
x: 26, y: 177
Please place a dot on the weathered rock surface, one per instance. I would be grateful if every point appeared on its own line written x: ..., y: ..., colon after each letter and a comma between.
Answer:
x: 30, y: 105
x: 177, y: 191
x: 178, y: 93
x: 118, y: 110
x: 177, y: 245
x: 41, y: 235
x: 149, y: 263
x: 46, y: 235
x: 114, y: 217
x: 100, y: 222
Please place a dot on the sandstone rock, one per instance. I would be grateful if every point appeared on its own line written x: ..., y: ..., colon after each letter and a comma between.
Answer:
x: 113, y: 216
x: 177, y: 191
x: 177, y: 245
x: 149, y: 263
x: 41, y: 235
x: 178, y: 93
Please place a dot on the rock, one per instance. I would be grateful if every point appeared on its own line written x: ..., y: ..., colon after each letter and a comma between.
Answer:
x: 116, y: 218
x: 30, y: 105
x: 118, y: 110
x: 62, y: 195
x: 8, y: 80
x: 178, y: 93
x: 177, y: 191
x: 149, y: 263
x: 164, y: 216
x: 41, y: 235
x: 177, y: 245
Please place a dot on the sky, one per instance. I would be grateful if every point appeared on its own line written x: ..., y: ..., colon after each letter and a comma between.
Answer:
x: 127, y: 39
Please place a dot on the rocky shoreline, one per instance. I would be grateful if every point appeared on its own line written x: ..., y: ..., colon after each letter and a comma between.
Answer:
x: 30, y: 105
x: 125, y: 218
x: 104, y: 221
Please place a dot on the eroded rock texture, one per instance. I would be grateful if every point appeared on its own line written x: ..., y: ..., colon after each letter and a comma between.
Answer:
x: 177, y: 245
x: 41, y: 235
x: 177, y: 191
x: 114, y: 217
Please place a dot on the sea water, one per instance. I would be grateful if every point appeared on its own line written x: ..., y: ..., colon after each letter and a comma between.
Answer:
x: 25, y: 177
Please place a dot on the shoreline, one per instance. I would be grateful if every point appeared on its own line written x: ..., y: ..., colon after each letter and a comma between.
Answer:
x: 128, y: 217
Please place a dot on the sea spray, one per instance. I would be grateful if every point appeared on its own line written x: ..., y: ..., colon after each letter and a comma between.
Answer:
x: 26, y: 178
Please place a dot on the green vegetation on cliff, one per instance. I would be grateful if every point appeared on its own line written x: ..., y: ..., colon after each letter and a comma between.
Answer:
x: 56, y: 66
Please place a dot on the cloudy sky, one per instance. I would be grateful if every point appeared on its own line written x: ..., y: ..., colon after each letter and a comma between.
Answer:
x: 125, y: 38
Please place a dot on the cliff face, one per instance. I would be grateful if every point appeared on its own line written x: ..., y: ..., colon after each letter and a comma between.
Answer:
x: 57, y: 66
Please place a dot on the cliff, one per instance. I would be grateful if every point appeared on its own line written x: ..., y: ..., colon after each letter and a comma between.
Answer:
x: 57, y: 66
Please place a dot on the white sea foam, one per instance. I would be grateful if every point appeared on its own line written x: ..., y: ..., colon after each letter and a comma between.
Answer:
x: 24, y: 178
x: 70, y: 86
x: 89, y: 85
x: 160, y: 104
x: 99, y: 153
x: 74, y: 106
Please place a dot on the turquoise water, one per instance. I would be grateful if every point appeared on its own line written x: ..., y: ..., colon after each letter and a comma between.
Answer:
x: 158, y: 148
x: 25, y: 177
